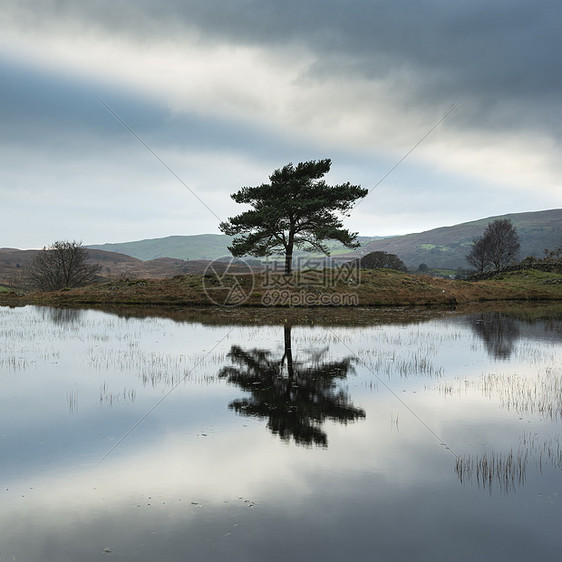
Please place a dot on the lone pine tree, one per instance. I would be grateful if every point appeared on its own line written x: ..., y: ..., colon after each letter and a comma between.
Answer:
x: 296, y: 210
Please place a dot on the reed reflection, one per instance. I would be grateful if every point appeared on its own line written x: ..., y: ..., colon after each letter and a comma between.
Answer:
x: 507, y: 471
x: 296, y: 396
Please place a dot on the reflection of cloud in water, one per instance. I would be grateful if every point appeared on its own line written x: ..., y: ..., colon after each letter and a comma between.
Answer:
x: 163, y: 486
x: 195, y: 481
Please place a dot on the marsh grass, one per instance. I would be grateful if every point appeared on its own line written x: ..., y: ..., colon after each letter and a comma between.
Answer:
x: 36, y: 337
x: 72, y: 401
x: 405, y: 353
x: 539, y: 395
x: 108, y: 398
x: 504, y: 471
x: 507, y: 471
x: 14, y: 363
x: 156, y: 368
x: 393, y: 365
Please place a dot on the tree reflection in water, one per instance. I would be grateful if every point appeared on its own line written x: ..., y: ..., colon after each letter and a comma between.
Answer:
x: 295, y: 396
x: 62, y: 315
x: 498, y: 331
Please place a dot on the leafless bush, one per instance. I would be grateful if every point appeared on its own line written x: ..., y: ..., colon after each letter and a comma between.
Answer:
x: 63, y: 265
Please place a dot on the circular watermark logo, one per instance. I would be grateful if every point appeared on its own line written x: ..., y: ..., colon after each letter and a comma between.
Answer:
x: 228, y: 281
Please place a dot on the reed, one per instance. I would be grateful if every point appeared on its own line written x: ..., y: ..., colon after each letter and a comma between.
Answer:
x: 507, y: 471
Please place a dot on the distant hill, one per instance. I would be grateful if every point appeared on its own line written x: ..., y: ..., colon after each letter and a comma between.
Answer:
x: 196, y: 247
x: 443, y: 248
x: 446, y: 247
x: 113, y: 265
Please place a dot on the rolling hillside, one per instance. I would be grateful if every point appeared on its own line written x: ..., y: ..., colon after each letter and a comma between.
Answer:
x: 113, y: 265
x: 196, y: 247
x: 447, y: 247
x: 443, y: 248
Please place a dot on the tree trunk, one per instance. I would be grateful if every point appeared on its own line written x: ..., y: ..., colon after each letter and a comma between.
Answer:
x: 288, y: 350
x: 289, y: 254
x: 288, y: 264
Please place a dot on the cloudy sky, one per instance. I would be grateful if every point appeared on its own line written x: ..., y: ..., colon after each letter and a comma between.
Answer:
x: 225, y: 91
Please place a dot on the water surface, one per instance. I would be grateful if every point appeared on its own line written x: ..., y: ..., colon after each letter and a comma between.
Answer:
x: 389, y: 437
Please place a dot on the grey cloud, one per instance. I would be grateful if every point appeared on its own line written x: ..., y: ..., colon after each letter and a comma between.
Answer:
x: 503, y: 56
x: 488, y: 39
x: 57, y: 114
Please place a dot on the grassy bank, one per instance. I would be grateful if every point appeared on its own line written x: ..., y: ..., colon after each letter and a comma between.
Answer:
x: 375, y: 288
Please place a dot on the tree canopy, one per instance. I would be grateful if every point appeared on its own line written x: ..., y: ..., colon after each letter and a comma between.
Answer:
x: 296, y: 397
x: 378, y: 260
x: 296, y: 210
x: 497, y: 248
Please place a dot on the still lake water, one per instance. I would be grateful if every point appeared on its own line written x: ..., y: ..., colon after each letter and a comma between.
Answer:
x: 196, y: 438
